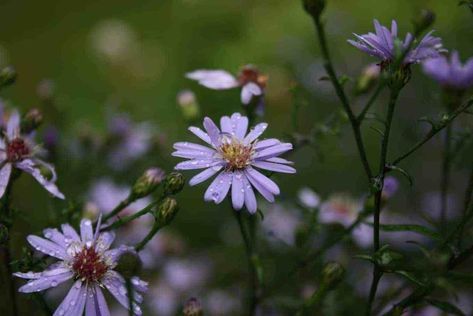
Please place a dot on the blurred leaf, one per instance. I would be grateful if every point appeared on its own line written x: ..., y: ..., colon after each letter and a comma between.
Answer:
x: 411, y: 277
x: 445, y: 306
x: 412, y: 228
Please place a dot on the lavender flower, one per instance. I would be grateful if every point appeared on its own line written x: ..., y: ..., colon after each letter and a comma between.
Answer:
x: 88, y: 261
x: 18, y: 151
x: 249, y: 79
x: 451, y: 74
x: 234, y: 156
x: 340, y: 208
x: 383, y: 45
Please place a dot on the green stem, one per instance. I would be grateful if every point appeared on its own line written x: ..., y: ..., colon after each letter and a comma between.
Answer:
x: 370, y: 102
x: 434, y: 131
x: 313, y: 302
x: 328, y: 65
x: 154, y: 230
x: 445, y: 177
x: 124, y: 220
x: 378, y: 196
x: 120, y: 207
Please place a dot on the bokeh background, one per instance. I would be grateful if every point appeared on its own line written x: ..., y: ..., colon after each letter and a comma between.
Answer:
x: 82, y: 63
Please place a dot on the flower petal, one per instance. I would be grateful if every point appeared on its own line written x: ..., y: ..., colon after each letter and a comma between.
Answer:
x: 56, y: 236
x: 260, y: 188
x: 272, y: 151
x: 250, y: 199
x: 13, y: 125
x: 47, y: 280
x: 255, y: 132
x: 198, y: 164
x: 214, y: 79
x: 269, y: 184
x: 70, y: 233
x: 204, y: 175
x: 104, y: 241
x: 115, y: 284
x: 218, y: 189
x: 248, y: 91
x: 238, y: 191
x: 5, y: 173
x: 201, y: 134
x: 212, y: 130
x: 29, y: 166
x: 96, y: 304
x: 47, y: 247
x: 71, y: 300
x: 265, y: 143
x: 274, y: 167
x: 86, y: 232
x: 240, y: 125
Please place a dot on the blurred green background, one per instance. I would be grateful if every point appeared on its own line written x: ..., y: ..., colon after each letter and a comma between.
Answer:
x: 132, y: 56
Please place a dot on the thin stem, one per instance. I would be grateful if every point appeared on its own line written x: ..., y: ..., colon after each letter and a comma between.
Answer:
x: 434, y: 131
x: 377, y: 210
x: 314, y: 301
x: 129, y: 289
x: 342, y: 96
x: 120, y: 207
x: 154, y: 230
x: 466, y: 206
x: 445, y: 176
x: 124, y: 220
x: 370, y: 102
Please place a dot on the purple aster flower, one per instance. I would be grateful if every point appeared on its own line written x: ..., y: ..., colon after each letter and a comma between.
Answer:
x: 340, y: 208
x: 391, y: 185
x: 87, y: 260
x: 249, y: 79
x: 382, y: 45
x: 234, y: 156
x: 451, y: 74
x: 19, y: 151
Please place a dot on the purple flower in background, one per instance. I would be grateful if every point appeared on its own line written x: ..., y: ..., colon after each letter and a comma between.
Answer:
x: 18, y: 151
x: 88, y: 261
x: 450, y: 73
x: 234, y: 156
x: 382, y: 45
x: 391, y: 185
x: 340, y: 208
x: 249, y: 79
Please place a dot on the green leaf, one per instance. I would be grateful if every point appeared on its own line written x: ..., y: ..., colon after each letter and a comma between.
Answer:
x: 412, y: 228
x: 403, y: 172
x: 411, y: 277
x: 445, y: 306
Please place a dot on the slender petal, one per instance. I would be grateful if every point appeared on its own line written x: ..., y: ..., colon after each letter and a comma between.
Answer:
x: 214, y: 79
x: 204, y: 175
x: 248, y: 91
x: 86, y: 231
x: 201, y: 134
x: 5, y: 173
x: 47, y: 281
x: 218, y: 189
x: 29, y: 166
x: 255, y: 132
x: 47, y: 247
x: 274, y: 167
x: 250, y: 198
x: 13, y: 125
x: 238, y: 191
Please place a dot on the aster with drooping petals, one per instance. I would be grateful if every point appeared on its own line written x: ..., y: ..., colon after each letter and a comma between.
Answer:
x: 87, y: 260
x: 235, y: 156
x: 251, y: 81
x: 382, y: 45
x: 450, y: 73
x: 19, y: 151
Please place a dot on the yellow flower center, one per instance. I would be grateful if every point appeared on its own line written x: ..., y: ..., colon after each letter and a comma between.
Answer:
x: 236, y: 154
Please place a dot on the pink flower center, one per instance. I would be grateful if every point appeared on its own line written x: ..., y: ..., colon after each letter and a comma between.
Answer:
x: 237, y: 155
x: 250, y: 74
x: 17, y: 149
x: 89, y: 265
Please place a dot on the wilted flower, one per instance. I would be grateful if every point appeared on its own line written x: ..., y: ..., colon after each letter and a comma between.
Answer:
x: 235, y: 156
x: 451, y: 74
x: 249, y: 79
x: 340, y: 208
x: 383, y: 45
x: 18, y: 151
x: 308, y: 198
x: 88, y: 261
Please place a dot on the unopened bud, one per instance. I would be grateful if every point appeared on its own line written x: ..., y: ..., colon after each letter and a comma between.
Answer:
x: 192, y: 308
x: 7, y: 76
x: 424, y: 19
x: 173, y: 183
x: 332, y: 274
x: 31, y: 121
x: 148, y: 182
x: 314, y: 7
x: 367, y: 79
x: 189, y: 106
x: 166, y: 211
x: 129, y: 264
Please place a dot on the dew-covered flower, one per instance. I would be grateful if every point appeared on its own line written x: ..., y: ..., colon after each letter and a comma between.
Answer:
x: 450, y: 73
x: 19, y: 151
x: 236, y: 158
x: 88, y: 261
x: 383, y: 45
x: 251, y: 81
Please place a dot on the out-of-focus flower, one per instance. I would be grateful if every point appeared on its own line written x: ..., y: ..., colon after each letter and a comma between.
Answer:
x: 249, y: 79
x: 280, y: 224
x: 130, y: 141
x: 186, y: 275
x: 220, y: 303
x: 189, y: 106
x: 383, y: 45
x: 163, y: 300
x: 340, y: 208
x: 308, y: 198
x: 450, y: 73
x: 86, y: 259
x: 431, y: 205
x: 367, y: 79
x: 234, y: 156
x: 18, y: 151
x: 391, y: 185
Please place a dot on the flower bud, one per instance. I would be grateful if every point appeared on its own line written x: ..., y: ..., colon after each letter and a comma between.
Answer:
x: 424, y: 19
x: 147, y: 183
x: 129, y: 264
x: 173, y: 183
x: 367, y: 79
x: 332, y: 274
x: 314, y: 7
x: 7, y: 76
x: 189, y: 106
x: 166, y: 211
x: 192, y: 308
x: 31, y: 121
